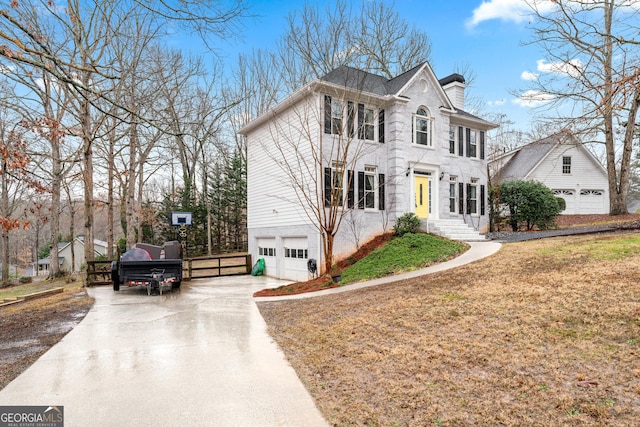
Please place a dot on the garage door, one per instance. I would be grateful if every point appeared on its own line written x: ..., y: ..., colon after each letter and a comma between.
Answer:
x: 267, y: 250
x: 591, y: 202
x: 569, y: 197
x: 296, y: 254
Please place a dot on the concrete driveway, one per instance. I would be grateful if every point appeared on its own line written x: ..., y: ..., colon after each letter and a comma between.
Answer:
x: 200, y: 356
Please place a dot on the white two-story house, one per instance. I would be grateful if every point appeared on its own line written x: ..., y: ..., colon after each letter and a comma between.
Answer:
x: 375, y: 148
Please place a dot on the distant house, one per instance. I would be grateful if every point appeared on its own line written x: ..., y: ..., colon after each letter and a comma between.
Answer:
x: 563, y: 164
x: 65, y: 257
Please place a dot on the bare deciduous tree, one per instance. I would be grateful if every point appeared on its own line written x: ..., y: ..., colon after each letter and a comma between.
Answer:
x: 591, y: 77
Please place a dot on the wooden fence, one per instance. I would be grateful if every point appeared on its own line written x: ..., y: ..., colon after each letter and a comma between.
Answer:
x: 99, y: 272
x: 217, y: 265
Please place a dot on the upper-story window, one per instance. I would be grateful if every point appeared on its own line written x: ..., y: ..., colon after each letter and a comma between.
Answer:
x: 360, y: 120
x: 566, y: 164
x: 452, y: 139
x: 423, y: 127
x: 365, y: 123
x: 473, y: 144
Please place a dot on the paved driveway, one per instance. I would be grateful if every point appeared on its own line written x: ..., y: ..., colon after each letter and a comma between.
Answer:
x: 200, y: 356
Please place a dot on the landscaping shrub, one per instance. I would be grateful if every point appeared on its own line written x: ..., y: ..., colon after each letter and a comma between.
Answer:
x: 562, y: 203
x: 24, y: 280
x: 407, y: 223
x: 530, y: 204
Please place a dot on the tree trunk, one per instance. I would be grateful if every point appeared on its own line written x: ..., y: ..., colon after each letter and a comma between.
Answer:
x: 4, y: 208
x: 87, y: 175
x: 131, y: 186
x: 56, y: 179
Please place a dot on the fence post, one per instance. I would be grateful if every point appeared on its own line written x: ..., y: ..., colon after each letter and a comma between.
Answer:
x: 249, y: 263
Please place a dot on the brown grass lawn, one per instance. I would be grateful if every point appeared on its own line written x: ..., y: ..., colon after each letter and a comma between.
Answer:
x: 543, y: 333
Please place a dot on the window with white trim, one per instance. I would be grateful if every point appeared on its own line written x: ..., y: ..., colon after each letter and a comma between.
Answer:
x: 452, y: 140
x: 296, y: 253
x: 266, y: 251
x: 370, y: 192
x: 566, y: 165
x: 473, y: 197
x: 338, y: 177
x: 473, y: 145
x: 423, y: 128
x: 453, y: 186
x: 366, y: 123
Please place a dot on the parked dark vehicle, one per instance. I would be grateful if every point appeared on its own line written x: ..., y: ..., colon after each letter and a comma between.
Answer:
x: 155, y: 267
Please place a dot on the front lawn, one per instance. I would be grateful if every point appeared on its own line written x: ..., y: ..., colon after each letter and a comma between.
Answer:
x: 544, y: 332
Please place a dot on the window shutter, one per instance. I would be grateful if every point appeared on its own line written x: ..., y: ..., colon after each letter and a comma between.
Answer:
x: 360, y: 190
x: 461, y: 198
x: 327, y: 187
x: 482, y: 144
x: 381, y: 127
x: 460, y: 142
x: 381, y: 191
x: 350, y: 118
x: 482, y: 200
x: 327, y: 114
x: 468, y: 142
x: 468, y: 198
x: 360, y: 121
x: 350, y: 194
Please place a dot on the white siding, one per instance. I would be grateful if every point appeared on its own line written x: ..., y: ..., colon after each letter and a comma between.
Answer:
x: 587, y: 179
x: 272, y: 198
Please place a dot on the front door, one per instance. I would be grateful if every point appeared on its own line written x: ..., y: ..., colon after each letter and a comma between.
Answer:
x: 422, y: 196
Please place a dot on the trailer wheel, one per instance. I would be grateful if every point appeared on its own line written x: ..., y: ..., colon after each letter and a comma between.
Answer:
x: 176, y: 285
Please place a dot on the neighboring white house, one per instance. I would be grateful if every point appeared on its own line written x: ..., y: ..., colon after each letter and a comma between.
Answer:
x: 562, y: 163
x: 65, y: 257
x: 412, y: 148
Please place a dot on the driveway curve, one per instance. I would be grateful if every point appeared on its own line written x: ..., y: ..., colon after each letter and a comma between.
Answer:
x: 197, y: 356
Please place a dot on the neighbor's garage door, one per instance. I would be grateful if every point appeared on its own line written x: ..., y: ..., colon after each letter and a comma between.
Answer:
x: 591, y: 202
x: 296, y: 254
x: 267, y: 250
x: 569, y: 197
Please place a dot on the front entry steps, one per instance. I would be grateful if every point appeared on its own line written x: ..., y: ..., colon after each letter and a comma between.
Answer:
x: 454, y: 229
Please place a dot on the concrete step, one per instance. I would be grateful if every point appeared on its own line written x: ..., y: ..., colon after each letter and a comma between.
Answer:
x: 454, y: 229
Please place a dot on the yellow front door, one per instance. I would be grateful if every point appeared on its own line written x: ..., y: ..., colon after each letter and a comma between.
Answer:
x: 422, y: 196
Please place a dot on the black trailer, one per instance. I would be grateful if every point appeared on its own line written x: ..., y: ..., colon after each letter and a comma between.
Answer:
x: 154, y: 267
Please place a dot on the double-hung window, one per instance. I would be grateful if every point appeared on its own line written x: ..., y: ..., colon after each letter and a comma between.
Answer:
x: 472, y: 197
x: 452, y: 140
x: 370, y: 187
x: 423, y: 128
x: 332, y: 116
x: 366, y: 123
x: 452, y: 194
x: 473, y: 144
x: 566, y: 164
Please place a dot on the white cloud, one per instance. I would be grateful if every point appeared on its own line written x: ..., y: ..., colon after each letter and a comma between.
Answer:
x: 497, y: 103
x: 533, y: 98
x: 529, y: 76
x: 572, y: 68
x: 506, y: 10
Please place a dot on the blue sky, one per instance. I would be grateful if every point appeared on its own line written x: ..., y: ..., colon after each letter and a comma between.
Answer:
x: 486, y: 35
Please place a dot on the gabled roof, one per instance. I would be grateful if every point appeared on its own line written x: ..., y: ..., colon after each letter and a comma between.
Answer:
x: 525, y: 159
x: 379, y: 86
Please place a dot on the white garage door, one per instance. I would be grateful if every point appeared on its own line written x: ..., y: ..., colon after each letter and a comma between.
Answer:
x: 569, y: 197
x: 592, y: 202
x: 267, y: 250
x: 296, y: 254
